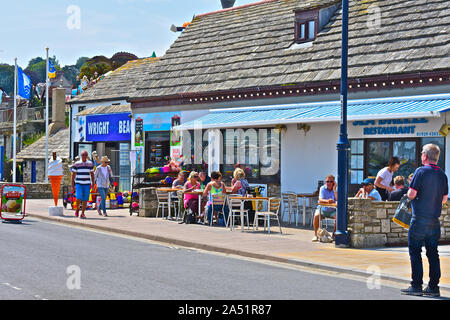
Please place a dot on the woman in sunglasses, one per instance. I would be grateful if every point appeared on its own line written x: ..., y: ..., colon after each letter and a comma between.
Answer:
x: 191, y: 200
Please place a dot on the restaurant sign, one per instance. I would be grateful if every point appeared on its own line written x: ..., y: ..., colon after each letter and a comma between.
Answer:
x: 390, y: 126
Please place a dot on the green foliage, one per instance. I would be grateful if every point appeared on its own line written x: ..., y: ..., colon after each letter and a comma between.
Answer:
x: 89, y: 70
x: 80, y: 62
x: 32, y: 138
x: 7, y: 78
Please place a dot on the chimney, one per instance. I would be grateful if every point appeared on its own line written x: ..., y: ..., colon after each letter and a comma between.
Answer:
x: 58, y: 110
x: 227, y: 3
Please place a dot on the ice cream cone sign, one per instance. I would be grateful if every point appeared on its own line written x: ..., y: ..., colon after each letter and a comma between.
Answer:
x: 55, y: 174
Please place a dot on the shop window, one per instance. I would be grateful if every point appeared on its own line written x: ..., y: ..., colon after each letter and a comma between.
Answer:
x: 256, y: 151
x: 356, y: 161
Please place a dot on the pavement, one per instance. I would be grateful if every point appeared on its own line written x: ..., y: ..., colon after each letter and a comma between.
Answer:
x: 293, y: 246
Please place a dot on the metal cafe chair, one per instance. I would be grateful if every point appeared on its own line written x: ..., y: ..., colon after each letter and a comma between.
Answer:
x: 218, y: 200
x: 235, y: 211
x: 272, y: 214
x: 163, y: 202
x: 293, y: 206
x: 285, y: 206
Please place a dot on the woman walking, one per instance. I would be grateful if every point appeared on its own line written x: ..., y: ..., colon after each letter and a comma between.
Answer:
x: 102, y: 177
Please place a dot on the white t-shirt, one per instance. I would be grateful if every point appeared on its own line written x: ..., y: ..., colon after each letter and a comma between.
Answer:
x: 386, y: 176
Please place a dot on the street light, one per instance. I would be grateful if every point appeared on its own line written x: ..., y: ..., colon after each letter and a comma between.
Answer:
x: 342, y: 238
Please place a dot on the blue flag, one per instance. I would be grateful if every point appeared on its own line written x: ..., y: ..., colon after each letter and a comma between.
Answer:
x: 1, y: 95
x: 23, y: 84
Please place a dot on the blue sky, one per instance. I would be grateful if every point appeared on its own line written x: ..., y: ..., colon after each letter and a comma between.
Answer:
x: 27, y: 27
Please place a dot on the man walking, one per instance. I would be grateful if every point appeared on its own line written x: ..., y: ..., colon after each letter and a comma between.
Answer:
x: 82, y: 176
x: 428, y: 191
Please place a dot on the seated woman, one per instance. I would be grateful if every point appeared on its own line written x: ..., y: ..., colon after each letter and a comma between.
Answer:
x: 215, y: 187
x: 239, y: 185
x: 191, y: 200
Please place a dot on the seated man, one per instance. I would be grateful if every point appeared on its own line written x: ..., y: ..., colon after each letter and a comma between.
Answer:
x: 400, y: 189
x: 327, y: 194
x: 368, y: 190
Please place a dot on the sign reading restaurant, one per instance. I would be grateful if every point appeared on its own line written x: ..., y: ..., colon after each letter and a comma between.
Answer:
x: 410, y: 127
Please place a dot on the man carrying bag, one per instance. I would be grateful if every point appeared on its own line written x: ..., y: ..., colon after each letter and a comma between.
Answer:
x: 428, y: 191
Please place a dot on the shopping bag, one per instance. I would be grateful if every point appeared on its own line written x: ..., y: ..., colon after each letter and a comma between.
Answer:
x: 403, y: 214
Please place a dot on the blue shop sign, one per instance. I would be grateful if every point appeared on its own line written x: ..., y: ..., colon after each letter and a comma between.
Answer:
x: 108, y: 127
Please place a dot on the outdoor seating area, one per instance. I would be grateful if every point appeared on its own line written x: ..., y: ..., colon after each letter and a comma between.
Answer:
x: 235, y: 211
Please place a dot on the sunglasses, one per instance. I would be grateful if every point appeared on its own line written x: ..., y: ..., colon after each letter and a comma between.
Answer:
x: 196, y: 177
x: 329, y: 181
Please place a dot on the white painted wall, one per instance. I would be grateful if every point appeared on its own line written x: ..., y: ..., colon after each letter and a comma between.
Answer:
x: 306, y: 159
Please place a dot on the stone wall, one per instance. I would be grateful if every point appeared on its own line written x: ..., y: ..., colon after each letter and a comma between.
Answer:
x: 38, y: 190
x: 370, y: 224
x: 40, y: 172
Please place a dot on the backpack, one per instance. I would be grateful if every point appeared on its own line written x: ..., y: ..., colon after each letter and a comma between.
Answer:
x: 403, y: 214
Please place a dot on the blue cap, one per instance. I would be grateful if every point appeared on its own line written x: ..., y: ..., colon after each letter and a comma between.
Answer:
x: 367, y: 181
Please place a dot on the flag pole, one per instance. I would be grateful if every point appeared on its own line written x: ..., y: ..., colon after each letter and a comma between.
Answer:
x: 46, y: 119
x: 14, y: 124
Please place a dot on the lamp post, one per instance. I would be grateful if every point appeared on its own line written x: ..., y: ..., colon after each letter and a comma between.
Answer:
x: 342, y: 238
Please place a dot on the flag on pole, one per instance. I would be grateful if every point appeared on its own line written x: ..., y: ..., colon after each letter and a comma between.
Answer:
x: 23, y: 84
x: 1, y: 95
x: 51, y: 69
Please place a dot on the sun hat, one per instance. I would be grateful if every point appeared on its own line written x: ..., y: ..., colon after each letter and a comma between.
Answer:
x: 105, y: 159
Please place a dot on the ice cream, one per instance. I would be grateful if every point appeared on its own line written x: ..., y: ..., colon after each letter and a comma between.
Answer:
x: 55, y: 167
x: 55, y: 174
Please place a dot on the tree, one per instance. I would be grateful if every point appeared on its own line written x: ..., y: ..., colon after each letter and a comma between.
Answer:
x: 7, y: 78
x: 80, y: 62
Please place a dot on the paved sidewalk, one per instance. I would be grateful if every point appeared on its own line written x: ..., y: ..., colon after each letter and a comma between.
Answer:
x: 293, y: 246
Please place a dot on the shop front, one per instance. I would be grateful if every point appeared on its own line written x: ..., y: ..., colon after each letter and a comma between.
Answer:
x: 110, y: 135
x: 307, y: 136
x: 155, y: 141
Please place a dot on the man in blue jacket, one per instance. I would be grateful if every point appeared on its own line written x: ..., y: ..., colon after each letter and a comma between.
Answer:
x: 428, y: 191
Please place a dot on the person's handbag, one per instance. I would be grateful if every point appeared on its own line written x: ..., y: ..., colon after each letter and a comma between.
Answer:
x: 403, y: 214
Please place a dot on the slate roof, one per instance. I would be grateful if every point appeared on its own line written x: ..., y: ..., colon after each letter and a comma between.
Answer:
x: 58, y: 142
x: 117, y: 85
x: 248, y: 47
x: 122, y: 108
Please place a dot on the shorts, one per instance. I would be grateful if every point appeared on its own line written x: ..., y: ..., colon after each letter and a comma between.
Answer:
x: 82, y: 191
x: 326, y: 214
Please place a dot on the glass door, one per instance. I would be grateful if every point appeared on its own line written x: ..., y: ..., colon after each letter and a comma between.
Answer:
x: 380, y: 151
x: 406, y: 151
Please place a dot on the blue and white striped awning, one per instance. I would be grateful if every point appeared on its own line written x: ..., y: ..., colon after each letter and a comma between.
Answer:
x: 367, y: 109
